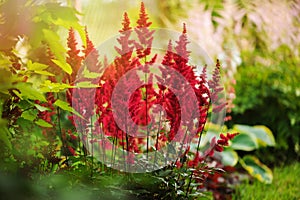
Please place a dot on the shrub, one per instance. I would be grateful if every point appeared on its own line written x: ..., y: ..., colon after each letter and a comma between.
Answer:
x: 268, y: 91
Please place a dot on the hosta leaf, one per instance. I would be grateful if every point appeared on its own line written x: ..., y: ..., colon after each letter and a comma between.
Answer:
x: 245, y: 142
x: 263, y: 135
x: 229, y: 157
x: 43, y: 123
x: 256, y: 169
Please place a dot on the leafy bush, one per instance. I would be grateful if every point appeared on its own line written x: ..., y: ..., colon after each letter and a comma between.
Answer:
x: 268, y: 92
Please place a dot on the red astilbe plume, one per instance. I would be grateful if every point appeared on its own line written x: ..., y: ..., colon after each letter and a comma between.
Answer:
x: 215, y: 86
x: 181, y: 58
x: 203, y: 97
x: 79, y: 98
x: 181, y: 47
x: 144, y: 34
x: 91, y: 55
x: 73, y: 58
x: 114, y: 74
x: 124, y: 62
x: 166, y: 97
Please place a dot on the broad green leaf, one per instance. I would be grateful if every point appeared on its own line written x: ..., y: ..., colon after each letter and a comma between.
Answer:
x: 265, y: 135
x: 65, y: 17
x: 53, y: 40
x: 229, y: 157
x: 27, y: 91
x: 56, y: 47
x: 29, y: 114
x: 75, y: 25
x: 63, y: 65
x: 43, y: 123
x: 262, y: 134
x: 65, y: 106
x: 256, y: 169
x: 245, y: 142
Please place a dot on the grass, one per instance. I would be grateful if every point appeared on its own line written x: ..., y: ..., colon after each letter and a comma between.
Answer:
x: 285, y: 186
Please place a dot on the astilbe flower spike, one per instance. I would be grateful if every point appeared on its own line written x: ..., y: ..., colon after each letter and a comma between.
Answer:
x: 144, y: 34
x: 79, y: 98
x: 73, y: 58
x: 91, y: 55
x: 113, y: 74
x: 218, y: 102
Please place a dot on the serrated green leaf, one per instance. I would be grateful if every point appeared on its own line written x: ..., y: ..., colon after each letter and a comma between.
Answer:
x: 63, y: 65
x: 36, y: 66
x: 27, y: 91
x: 256, y: 169
x: 44, y: 73
x: 41, y: 108
x: 43, y: 123
x: 65, y: 106
x: 88, y: 74
x: 49, y: 86
x: 86, y: 84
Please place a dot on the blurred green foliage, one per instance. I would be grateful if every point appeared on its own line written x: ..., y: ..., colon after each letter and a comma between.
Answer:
x: 268, y: 92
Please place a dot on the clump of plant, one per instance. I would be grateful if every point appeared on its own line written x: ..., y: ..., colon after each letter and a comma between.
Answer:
x: 49, y: 95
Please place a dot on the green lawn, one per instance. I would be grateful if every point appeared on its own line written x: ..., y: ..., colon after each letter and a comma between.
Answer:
x: 286, y: 185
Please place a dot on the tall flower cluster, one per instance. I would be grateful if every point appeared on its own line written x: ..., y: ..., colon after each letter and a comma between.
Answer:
x: 79, y: 98
x: 152, y: 110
